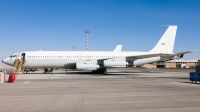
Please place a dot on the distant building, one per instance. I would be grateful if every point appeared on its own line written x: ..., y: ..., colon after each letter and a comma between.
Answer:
x: 173, y: 64
x: 150, y: 66
x: 6, y: 67
x: 181, y: 64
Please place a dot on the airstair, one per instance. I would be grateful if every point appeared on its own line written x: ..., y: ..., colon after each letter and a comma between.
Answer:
x: 18, y: 65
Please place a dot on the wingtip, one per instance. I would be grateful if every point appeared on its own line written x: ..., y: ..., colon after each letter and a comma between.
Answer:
x: 193, y: 50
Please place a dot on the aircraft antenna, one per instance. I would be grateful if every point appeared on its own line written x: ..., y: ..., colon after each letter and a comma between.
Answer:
x: 87, y: 44
x: 73, y: 47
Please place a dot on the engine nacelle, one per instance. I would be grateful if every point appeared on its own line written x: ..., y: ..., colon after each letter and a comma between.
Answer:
x: 117, y: 63
x: 83, y: 66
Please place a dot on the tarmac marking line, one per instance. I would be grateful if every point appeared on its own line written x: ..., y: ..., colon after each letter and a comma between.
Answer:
x: 26, y: 82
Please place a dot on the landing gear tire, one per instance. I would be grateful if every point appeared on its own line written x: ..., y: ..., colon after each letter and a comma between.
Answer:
x: 45, y: 70
x: 104, y: 71
x: 101, y: 71
x: 27, y: 71
x: 94, y: 71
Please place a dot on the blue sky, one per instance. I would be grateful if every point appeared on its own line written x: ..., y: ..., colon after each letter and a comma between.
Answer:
x: 27, y: 25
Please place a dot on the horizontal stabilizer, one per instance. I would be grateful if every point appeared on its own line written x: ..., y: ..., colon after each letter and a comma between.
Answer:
x: 186, y: 52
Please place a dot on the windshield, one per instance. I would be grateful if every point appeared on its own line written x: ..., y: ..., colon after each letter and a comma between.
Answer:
x: 12, y: 56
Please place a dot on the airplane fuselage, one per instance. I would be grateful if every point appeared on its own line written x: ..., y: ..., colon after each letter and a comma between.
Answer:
x: 63, y: 59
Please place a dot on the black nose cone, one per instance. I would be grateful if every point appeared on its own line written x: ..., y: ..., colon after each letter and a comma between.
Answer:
x: 2, y: 60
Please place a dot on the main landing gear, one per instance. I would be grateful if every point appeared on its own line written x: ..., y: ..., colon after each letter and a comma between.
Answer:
x: 48, y: 70
x: 100, y: 71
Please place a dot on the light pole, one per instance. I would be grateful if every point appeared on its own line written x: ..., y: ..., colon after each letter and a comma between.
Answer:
x: 87, y: 44
x: 73, y: 47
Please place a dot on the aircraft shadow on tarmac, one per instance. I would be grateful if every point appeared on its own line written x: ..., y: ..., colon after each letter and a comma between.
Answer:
x: 87, y: 73
x: 138, y: 72
x: 95, y: 74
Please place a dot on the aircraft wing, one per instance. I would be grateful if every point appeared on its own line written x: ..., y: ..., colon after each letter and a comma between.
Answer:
x: 160, y: 54
x: 135, y: 57
x: 147, y: 56
x: 138, y: 56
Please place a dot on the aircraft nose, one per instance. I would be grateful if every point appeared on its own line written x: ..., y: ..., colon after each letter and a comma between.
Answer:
x: 8, y: 61
x: 4, y: 61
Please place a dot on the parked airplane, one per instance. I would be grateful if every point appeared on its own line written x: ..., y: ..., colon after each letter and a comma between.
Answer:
x: 99, y: 61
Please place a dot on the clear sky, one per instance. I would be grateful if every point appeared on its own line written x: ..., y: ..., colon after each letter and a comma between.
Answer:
x: 27, y: 25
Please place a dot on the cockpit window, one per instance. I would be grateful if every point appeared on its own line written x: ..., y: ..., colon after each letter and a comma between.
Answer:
x: 12, y: 56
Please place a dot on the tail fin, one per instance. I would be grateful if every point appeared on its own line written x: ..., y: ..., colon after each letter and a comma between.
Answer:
x: 166, y: 43
x: 118, y: 48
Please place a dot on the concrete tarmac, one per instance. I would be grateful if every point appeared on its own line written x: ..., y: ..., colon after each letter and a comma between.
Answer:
x: 121, y: 90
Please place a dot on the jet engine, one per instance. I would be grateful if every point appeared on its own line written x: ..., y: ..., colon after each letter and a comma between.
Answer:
x: 85, y: 66
x: 118, y: 62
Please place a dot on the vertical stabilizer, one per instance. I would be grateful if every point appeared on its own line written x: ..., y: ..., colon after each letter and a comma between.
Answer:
x: 166, y: 43
x: 118, y: 48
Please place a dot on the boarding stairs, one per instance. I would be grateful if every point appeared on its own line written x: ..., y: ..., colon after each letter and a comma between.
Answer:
x: 18, y: 65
